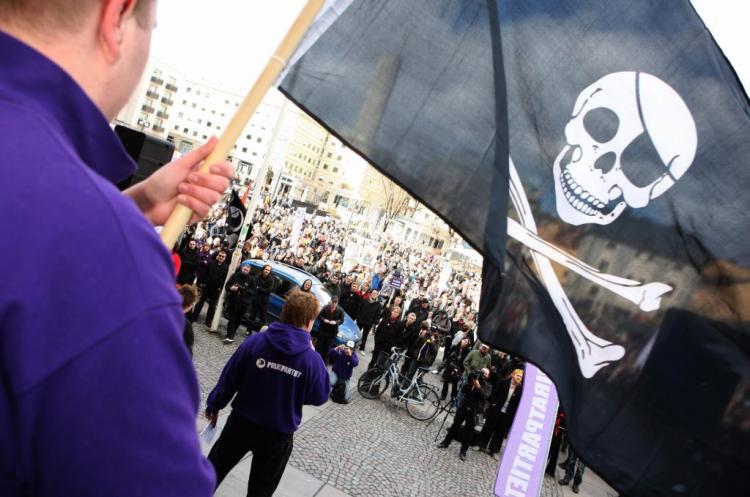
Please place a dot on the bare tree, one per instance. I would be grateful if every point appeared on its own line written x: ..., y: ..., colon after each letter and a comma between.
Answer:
x: 396, y: 201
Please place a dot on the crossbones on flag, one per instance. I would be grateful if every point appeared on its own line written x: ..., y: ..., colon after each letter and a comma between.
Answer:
x: 624, y: 148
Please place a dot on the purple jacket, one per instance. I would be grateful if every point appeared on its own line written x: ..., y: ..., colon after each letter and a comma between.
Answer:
x: 98, y: 395
x: 273, y: 374
x: 343, y: 365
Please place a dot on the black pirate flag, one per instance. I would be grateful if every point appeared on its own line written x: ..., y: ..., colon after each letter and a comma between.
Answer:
x: 624, y: 148
x: 235, y: 218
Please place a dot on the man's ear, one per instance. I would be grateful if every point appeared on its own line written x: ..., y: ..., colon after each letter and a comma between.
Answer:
x: 113, y: 18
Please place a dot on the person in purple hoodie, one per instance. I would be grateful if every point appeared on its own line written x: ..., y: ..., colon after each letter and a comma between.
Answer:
x: 344, y: 359
x: 271, y: 376
x: 98, y: 394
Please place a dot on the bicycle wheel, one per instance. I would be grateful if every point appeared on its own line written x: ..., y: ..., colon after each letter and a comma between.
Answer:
x: 423, y: 404
x: 373, y: 383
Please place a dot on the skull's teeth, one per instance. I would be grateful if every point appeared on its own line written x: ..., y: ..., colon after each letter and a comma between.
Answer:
x: 579, y: 198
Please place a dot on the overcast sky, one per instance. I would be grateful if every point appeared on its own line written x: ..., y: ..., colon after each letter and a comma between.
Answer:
x: 229, y: 41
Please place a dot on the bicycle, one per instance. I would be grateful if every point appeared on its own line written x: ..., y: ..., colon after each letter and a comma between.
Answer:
x: 422, y: 401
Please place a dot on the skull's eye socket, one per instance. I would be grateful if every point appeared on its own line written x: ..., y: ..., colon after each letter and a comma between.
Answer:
x: 641, y: 163
x: 601, y: 124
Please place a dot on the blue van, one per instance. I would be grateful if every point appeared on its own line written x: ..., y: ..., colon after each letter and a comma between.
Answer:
x: 287, y: 277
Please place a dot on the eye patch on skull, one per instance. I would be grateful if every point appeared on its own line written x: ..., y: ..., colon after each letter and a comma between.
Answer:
x: 601, y: 124
x: 640, y: 162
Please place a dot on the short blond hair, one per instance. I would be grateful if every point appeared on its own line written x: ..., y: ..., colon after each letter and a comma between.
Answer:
x: 58, y: 15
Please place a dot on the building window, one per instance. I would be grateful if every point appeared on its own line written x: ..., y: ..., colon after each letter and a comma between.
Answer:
x: 195, y: 133
x: 199, y: 121
x: 189, y: 89
x: 185, y: 130
x: 325, y: 166
x: 208, y: 124
x: 335, y: 169
x: 180, y: 115
x: 244, y: 149
x: 205, y: 137
x: 249, y: 137
x: 197, y: 92
x: 259, y: 140
x: 177, y: 127
x: 184, y: 102
x: 194, y: 105
x: 338, y: 158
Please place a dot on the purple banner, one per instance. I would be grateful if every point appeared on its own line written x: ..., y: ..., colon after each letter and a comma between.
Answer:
x: 525, y: 456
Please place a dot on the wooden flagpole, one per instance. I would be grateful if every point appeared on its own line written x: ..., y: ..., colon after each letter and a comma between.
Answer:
x: 181, y: 215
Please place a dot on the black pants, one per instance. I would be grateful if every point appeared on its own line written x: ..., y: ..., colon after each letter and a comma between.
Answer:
x: 495, y: 429
x: 554, y: 453
x: 271, y: 451
x: 406, y: 366
x: 237, y: 308
x: 258, y: 314
x: 323, y: 345
x: 210, y: 296
x: 463, y: 417
x: 454, y: 389
x: 376, y: 352
x: 366, y: 329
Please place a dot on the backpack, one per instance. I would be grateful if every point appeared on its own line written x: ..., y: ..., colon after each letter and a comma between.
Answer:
x: 338, y: 394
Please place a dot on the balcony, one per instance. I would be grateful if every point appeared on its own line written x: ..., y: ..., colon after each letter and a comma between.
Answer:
x: 157, y: 80
x: 171, y: 87
x: 167, y: 101
x: 158, y: 129
x: 152, y: 94
x: 162, y: 115
x: 147, y: 109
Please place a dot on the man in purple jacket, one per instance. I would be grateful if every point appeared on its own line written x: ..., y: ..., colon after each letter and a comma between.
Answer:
x: 97, y: 391
x: 273, y: 374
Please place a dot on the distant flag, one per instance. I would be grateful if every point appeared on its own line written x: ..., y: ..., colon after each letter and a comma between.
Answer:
x: 624, y: 147
x: 235, y: 218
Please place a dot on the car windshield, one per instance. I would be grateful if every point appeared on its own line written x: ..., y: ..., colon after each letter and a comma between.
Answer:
x: 321, y: 293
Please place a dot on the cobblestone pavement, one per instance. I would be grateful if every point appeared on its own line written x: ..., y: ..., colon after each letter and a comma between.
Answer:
x: 370, y: 447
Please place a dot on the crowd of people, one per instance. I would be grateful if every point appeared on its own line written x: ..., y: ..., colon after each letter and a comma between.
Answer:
x: 398, y: 299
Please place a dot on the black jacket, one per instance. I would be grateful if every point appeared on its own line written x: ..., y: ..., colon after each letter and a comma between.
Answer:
x: 351, y: 303
x: 246, y: 284
x: 215, y: 275
x: 337, y: 315
x: 408, y: 334
x: 387, y: 334
x: 455, y: 367
x: 421, y: 313
x: 189, y: 260
x: 333, y: 288
x: 500, y: 394
x: 424, y: 350
x: 264, y: 288
x: 475, y: 398
x: 369, y: 312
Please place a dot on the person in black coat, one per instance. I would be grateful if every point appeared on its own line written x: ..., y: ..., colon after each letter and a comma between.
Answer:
x: 409, y: 331
x: 240, y: 291
x: 330, y: 317
x: 454, y: 369
x: 190, y: 259
x: 412, y: 343
x: 474, y: 395
x: 215, y: 275
x: 387, y: 335
x: 351, y: 301
x: 422, y: 311
x: 502, y: 407
x: 369, y: 314
x: 264, y: 284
